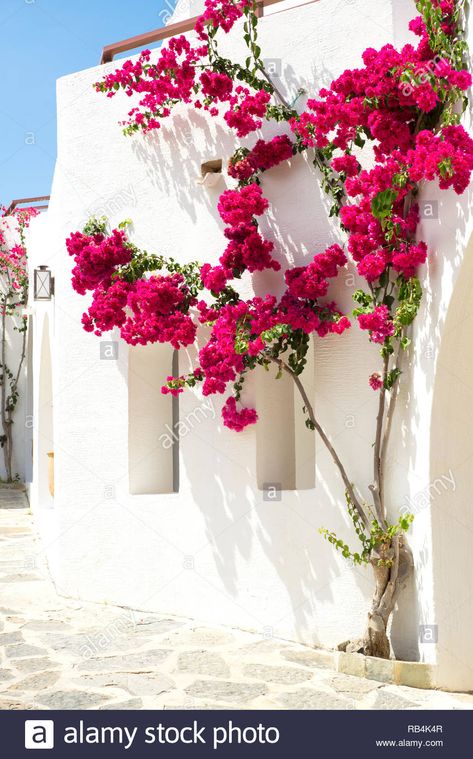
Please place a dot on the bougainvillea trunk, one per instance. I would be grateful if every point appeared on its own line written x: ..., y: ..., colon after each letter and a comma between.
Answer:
x: 390, y: 581
x: 8, y: 451
x: 392, y: 567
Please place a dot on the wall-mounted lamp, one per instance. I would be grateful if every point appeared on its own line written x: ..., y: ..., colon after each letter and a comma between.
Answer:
x: 211, y: 173
x: 43, y: 283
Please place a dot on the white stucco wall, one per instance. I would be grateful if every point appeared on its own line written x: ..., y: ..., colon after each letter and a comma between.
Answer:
x: 42, y: 336
x: 216, y: 550
x: 432, y: 446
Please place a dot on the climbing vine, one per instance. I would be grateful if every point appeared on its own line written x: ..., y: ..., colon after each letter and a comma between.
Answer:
x: 13, y: 300
x: 374, y: 136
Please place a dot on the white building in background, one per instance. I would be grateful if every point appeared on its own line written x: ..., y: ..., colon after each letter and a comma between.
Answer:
x: 188, y: 528
x: 23, y: 416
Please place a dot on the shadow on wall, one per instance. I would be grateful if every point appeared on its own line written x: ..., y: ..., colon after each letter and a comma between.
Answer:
x: 190, y: 140
x: 234, y: 510
x: 437, y: 402
x: 452, y: 457
x: 45, y: 417
x: 239, y: 521
x: 177, y: 170
x: 223, y: 506
x: 29, y: 404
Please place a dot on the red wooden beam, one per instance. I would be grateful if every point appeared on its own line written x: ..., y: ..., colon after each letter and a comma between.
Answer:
x: 35, y: 202
x: 172, y: 30
x: 143, y: 40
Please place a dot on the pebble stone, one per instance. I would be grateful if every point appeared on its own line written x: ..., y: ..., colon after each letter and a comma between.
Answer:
x: 36, y: 682
x: 70, y: 699
x: 270, y: 674
x: 227, y: 691
x: 203, y: 663
x: 312, y: 699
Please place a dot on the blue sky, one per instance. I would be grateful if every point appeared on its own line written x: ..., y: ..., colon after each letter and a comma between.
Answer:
x: 42, y: 40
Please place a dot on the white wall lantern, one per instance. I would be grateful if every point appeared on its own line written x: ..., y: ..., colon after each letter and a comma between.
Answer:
x: 43, y: 283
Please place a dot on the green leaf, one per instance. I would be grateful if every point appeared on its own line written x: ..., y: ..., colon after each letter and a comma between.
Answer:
x: 359, y: 141
x: 382, y: 204
x: 405, y: 342
x: 410, y: 296
x: 125, y: 223
x: 384, y: 278
x: 364, y: 299
x: 391, y: 378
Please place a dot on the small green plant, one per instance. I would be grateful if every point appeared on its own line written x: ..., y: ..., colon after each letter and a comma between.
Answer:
x: 370, y: 539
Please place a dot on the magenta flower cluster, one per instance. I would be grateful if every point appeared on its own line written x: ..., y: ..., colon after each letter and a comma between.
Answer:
x: 13, y: 255
x: 147, y: 310
x: 389, y: 100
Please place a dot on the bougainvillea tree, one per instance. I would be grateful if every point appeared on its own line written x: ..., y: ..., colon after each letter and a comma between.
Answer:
x: 13, y: 300
x: 373, y: 136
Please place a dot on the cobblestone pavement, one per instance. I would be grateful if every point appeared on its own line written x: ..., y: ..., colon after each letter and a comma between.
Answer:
x: 58, y: 653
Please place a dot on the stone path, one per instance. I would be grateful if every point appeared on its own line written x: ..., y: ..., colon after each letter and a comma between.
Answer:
x: 57, y: 653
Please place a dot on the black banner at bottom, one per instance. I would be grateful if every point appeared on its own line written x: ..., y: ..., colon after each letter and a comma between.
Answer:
x: 262, y: 734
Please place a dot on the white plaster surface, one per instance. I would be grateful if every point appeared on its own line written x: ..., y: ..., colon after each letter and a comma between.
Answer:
x: 217, y: 551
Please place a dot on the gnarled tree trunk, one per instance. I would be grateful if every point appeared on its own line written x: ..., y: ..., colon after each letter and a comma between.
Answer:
x: 392, y: 561
x: 392, y: 566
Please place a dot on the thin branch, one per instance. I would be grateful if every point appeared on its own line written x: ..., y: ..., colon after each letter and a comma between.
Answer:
x: 276, y: 90
x: 390, y: 416
x: 3, y: 365
x: 3, y: 414
x: 376, y: 487
x: 14, y: 384
x: 325, y: 439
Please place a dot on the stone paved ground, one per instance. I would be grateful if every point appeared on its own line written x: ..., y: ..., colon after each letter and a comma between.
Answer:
x: 58, y: 653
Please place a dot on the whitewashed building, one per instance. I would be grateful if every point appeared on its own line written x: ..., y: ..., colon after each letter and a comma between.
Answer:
x: 185, y: 528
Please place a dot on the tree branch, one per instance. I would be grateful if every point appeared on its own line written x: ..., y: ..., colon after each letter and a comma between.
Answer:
x: 310, y: 411
x: 390, y: 415
x: 376, y: 487
x: 276, y: 90
x: 14, y: 384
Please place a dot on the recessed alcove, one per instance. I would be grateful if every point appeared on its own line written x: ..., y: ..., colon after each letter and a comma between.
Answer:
x: 285, y: 448
x: 152, y: 436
